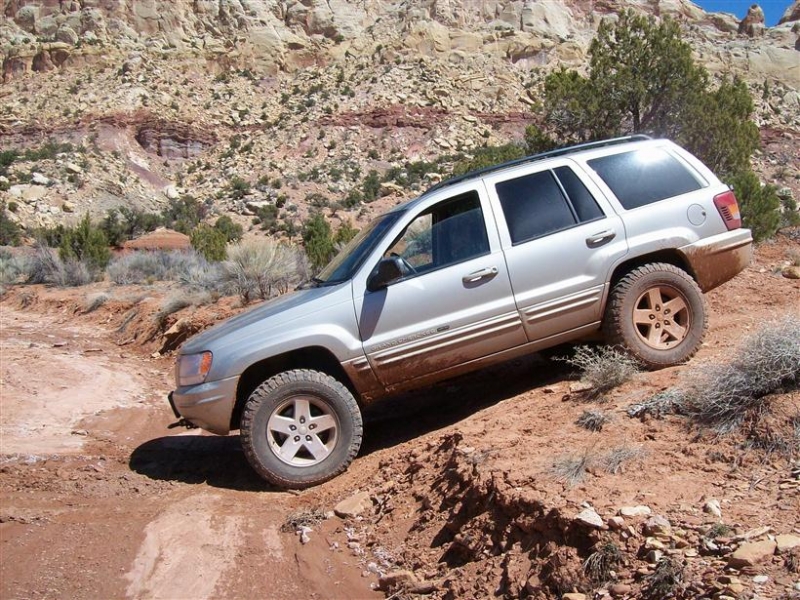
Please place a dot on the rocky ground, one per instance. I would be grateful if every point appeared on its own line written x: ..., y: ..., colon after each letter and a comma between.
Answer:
x: 483, y: 486
x: 302, y: 101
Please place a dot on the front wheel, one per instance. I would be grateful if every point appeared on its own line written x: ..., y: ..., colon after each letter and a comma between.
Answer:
x: 657, y: 314
x: 300, y: 428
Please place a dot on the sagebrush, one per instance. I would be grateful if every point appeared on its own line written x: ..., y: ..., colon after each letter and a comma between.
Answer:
x: 724, y: 396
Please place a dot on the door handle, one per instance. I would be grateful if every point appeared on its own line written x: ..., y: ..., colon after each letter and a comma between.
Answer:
x: 598, y: 239
x: 478, y: 275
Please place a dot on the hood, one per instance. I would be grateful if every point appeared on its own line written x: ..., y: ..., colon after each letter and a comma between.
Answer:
x: 273, y: 313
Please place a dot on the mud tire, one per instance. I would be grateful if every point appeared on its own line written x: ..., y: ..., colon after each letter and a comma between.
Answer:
x: 634, y: 310
x: 266, y: 411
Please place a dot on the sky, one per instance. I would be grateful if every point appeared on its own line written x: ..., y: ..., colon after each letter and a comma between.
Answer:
x: 773, y: 9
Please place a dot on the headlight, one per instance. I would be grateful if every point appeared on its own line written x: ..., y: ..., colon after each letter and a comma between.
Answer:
x: 192, y: 368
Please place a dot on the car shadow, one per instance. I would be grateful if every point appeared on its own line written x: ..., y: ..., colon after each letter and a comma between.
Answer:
x: 398, y: 419
x: 196, y: 459
x: 219, y: 461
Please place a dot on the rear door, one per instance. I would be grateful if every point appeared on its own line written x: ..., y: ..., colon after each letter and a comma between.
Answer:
x: 454, y: 303
x: 561, y: 240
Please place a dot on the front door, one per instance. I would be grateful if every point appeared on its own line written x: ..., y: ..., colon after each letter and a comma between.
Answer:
x: 454, y: 303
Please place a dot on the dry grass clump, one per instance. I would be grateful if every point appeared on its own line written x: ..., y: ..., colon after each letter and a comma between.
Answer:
x: 723, y: 397
x: 260, y: 270
x: 44, y: 266
x: 666, y: 581
x: 94, y: 301
x: 601, y: 564
x: 593, y: 420
x: 572, y: 468
x: 150, y: 266
x: 304, y: 518
x: 664, y: 403
x: 614, y: 459
x: 603, y: 368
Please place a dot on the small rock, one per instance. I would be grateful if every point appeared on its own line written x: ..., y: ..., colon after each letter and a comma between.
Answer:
x: 751, y: 553
x: 635, y: 511
x: 657, y: 526
x: 353, y: 506
x: 304, y: 535
x: 791, y: 272
x: 73, y: 168
x: 760, y: 579
x: 171, y: 192
x: 573, y: 596
x: 616, y: 523
x: 734, y: 588
x: 652, y: 543
x: 787, y: 541
x: 397, y: 579
x: 39, y: 179
x: 68, y: 206
x: 619, y: 589
x: 654, y: 556
x: 579, y: 386
x: 589, y: 517
x: 712, y: 507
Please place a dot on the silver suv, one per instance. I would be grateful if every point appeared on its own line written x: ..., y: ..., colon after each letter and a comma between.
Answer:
x: 619, y: 237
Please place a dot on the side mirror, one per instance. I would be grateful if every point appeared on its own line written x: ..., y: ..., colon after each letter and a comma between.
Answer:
x: 388, y: 271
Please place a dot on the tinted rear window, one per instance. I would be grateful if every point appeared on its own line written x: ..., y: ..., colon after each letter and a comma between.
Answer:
x: 644, y: 176
x: 533, y: 206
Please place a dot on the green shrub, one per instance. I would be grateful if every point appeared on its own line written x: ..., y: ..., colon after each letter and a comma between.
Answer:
x: 209, y: 242
x: 85, y: 243
x: 760, y: 205
x: 238, y: 188
x: 318, y: 241
x: 488, y: 156
x: 9, y: 230
x: 232, y: 231
x: 643, y: 79
x: 184, y: 214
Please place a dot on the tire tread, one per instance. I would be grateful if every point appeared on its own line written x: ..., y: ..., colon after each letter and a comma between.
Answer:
x: 273, y: 385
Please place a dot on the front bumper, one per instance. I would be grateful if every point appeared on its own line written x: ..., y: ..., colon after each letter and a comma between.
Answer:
x: 208, y: 405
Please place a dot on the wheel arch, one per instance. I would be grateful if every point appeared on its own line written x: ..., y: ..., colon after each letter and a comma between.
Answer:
x: 315, y: 358
x: 672, y: 257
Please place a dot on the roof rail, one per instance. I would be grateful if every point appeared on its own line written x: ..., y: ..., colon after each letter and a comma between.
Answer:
x: 541, y: 156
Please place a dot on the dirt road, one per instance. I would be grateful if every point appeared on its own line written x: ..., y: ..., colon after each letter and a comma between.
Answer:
x: 96, y: 505
x: 99, y: 499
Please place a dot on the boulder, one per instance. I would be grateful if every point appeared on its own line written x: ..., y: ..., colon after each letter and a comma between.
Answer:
x: 753, y: 23
x: 589, y: 517
x: 752, y: 553
x: 66, y: 35
x: 787, y: 541
x: 353, y: 506
x: 634, y: 511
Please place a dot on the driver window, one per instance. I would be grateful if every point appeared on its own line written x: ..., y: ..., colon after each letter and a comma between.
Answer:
x: 448, y: 233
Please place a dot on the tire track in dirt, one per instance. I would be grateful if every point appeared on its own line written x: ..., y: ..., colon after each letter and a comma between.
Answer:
x: 51, y: 382
x: 186, y: 550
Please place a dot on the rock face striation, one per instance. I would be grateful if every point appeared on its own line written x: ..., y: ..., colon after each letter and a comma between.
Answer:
x: 304, y: 99
x: 276, y: 35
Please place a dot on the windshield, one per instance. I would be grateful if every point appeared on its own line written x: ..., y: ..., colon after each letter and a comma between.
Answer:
x: 344, y: 265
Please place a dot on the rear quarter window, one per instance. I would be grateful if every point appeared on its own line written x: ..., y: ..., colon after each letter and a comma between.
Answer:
x: 644, y: 176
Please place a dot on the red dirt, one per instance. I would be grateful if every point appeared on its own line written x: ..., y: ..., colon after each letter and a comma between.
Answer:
x: 99, y: 499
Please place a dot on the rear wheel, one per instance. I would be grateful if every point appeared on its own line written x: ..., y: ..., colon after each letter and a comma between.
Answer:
x: 300, y: 428
x: 657, y: 314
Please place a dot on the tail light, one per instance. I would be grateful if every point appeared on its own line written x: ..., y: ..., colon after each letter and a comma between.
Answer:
x: 728, y: 209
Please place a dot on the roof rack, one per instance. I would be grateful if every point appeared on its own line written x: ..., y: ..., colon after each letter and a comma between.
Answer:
x: 535, y: 157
